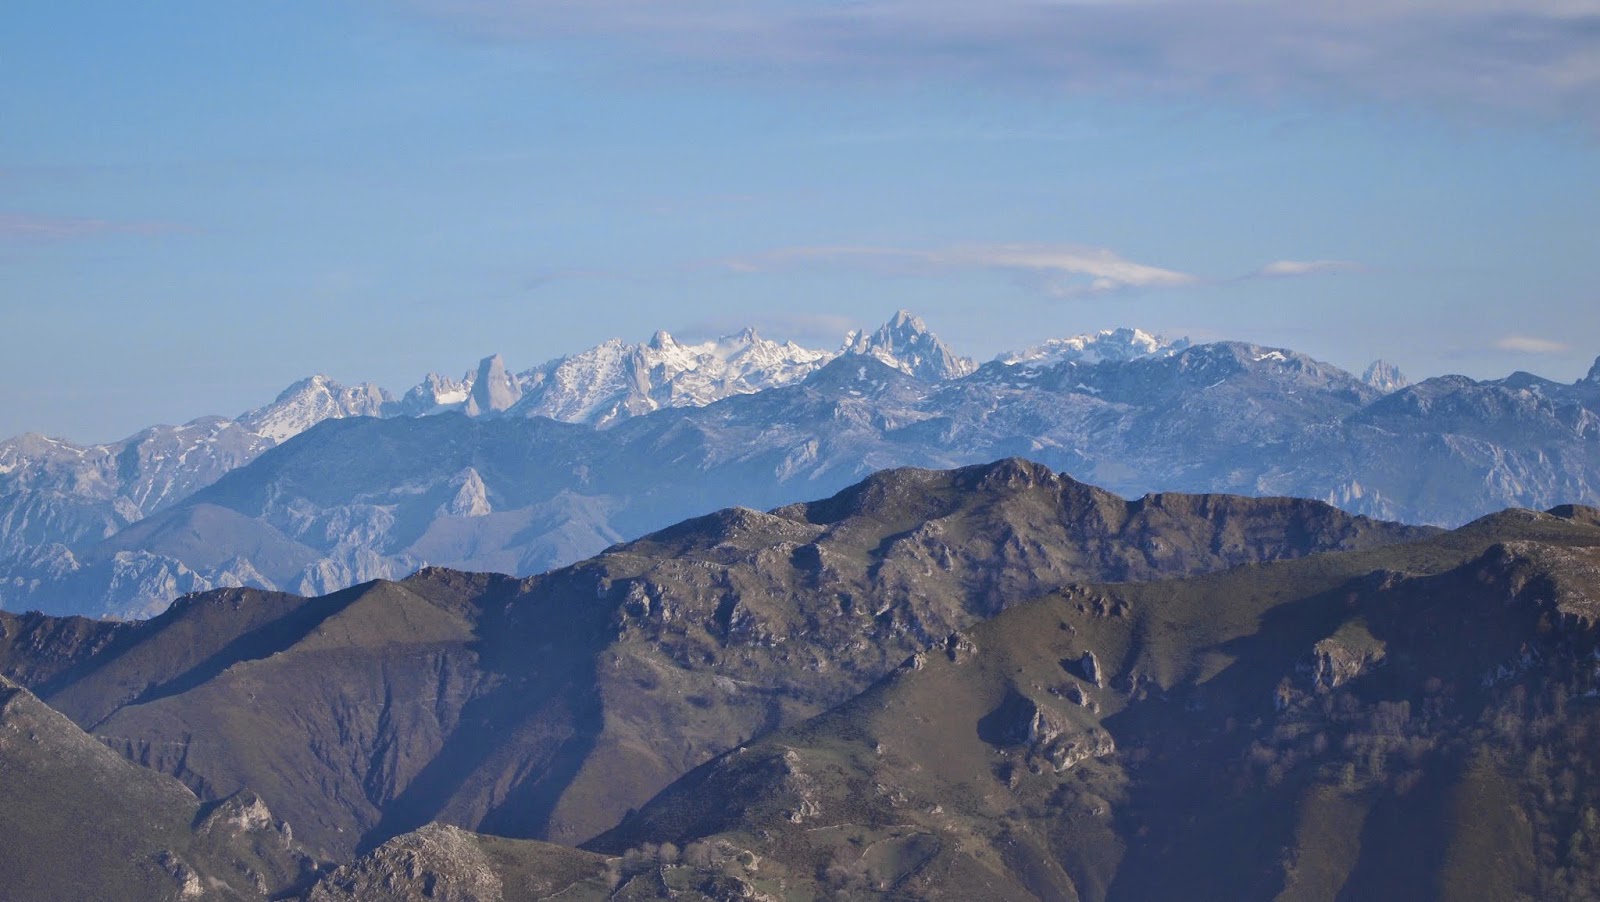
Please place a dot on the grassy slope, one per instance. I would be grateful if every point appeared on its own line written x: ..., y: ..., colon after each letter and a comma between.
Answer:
x: 67, y: 795
x: 549, y: 707
x: 1234, y: 775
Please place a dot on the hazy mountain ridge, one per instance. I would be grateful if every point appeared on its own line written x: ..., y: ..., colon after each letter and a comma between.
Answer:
x: 697, y: 429
x: 54, y: 491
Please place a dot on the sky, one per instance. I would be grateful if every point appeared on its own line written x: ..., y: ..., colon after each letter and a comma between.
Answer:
x: 202, y: 202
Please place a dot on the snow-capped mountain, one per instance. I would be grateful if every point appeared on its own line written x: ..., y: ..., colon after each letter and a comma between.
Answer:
x: 904, y: 343
x: 310, y: 401
x: 435, y: 394
x: 616, y: 380
x: 1095, y: 347
x: 660, y: 431
x: 54, y: 491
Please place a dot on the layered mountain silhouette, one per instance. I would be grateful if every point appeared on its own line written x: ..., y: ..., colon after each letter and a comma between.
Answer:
x: 521, y: 472
x: 992, y: 682
x: 547, y: 708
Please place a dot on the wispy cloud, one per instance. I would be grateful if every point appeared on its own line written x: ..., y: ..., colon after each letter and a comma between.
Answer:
x: 1060, y: 270
x: 1527, y: 344
x: 1280, y: 269
x: 1539, y: 56
x: 26, y: 227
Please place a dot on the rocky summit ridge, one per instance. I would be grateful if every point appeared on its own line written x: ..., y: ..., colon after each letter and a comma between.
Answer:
x: 993, y: 682
x: 558, y: 702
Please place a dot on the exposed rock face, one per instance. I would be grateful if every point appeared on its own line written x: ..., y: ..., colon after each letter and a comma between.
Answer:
x: 435, y: 864
x: 1384, y: 376
x: 493, y: 390
x: 244, y: 812
x: 471, y: 499
x: 1086, y: 667
x: 1337, y: 660
x: 1042, y: 734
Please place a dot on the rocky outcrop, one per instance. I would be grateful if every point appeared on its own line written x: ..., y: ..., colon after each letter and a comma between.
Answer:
x: 435, y: 864
x: 1337, y: 660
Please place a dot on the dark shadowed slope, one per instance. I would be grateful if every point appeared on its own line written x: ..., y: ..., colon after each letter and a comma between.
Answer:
x: 548, y: 707
x: 80, y: 822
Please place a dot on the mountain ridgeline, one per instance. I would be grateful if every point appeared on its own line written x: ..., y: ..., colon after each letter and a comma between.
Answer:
x: 523, y: 472
x: 991, y: 682
x: 548, y: 707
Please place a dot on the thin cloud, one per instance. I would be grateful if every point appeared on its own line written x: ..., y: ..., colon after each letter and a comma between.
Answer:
x: 1535, y: 56
x: 1060, y: 270
x: 1282, y: 269
x: 24, y: 227
x: 1527, y: 344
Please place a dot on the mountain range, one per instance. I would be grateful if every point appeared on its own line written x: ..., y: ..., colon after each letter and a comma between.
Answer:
x: 519, y: 473
x: 991, y: 682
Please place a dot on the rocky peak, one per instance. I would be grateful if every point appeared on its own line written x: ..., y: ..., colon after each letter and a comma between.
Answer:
x: 471, y: 498
x: 906, y: 344
x: 493, y: 390
x: 1594, y: 373
x: 434, y: 394
x: 1384, y: 376
x: 310, y: 401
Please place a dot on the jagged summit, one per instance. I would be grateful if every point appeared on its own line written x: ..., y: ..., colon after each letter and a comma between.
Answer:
x: 615, y: 380
x: 493, y: 390
x: 1095, y: 347
x: 1384, y: 376
x: 310, y: 401
x: 434, y: 394
x: 906, y: 344
x: 1594, y: 373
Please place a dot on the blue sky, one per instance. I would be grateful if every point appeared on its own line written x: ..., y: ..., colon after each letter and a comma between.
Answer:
x: 202, y: 202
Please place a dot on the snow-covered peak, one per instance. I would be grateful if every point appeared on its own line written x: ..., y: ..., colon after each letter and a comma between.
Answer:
x: 310, y: 401
x: 614, y: 379
x: 1384, y: 376
x: 1118, y: 345
x: 1594, y: 373
x: 435, y: 394
x: 906, y: 344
